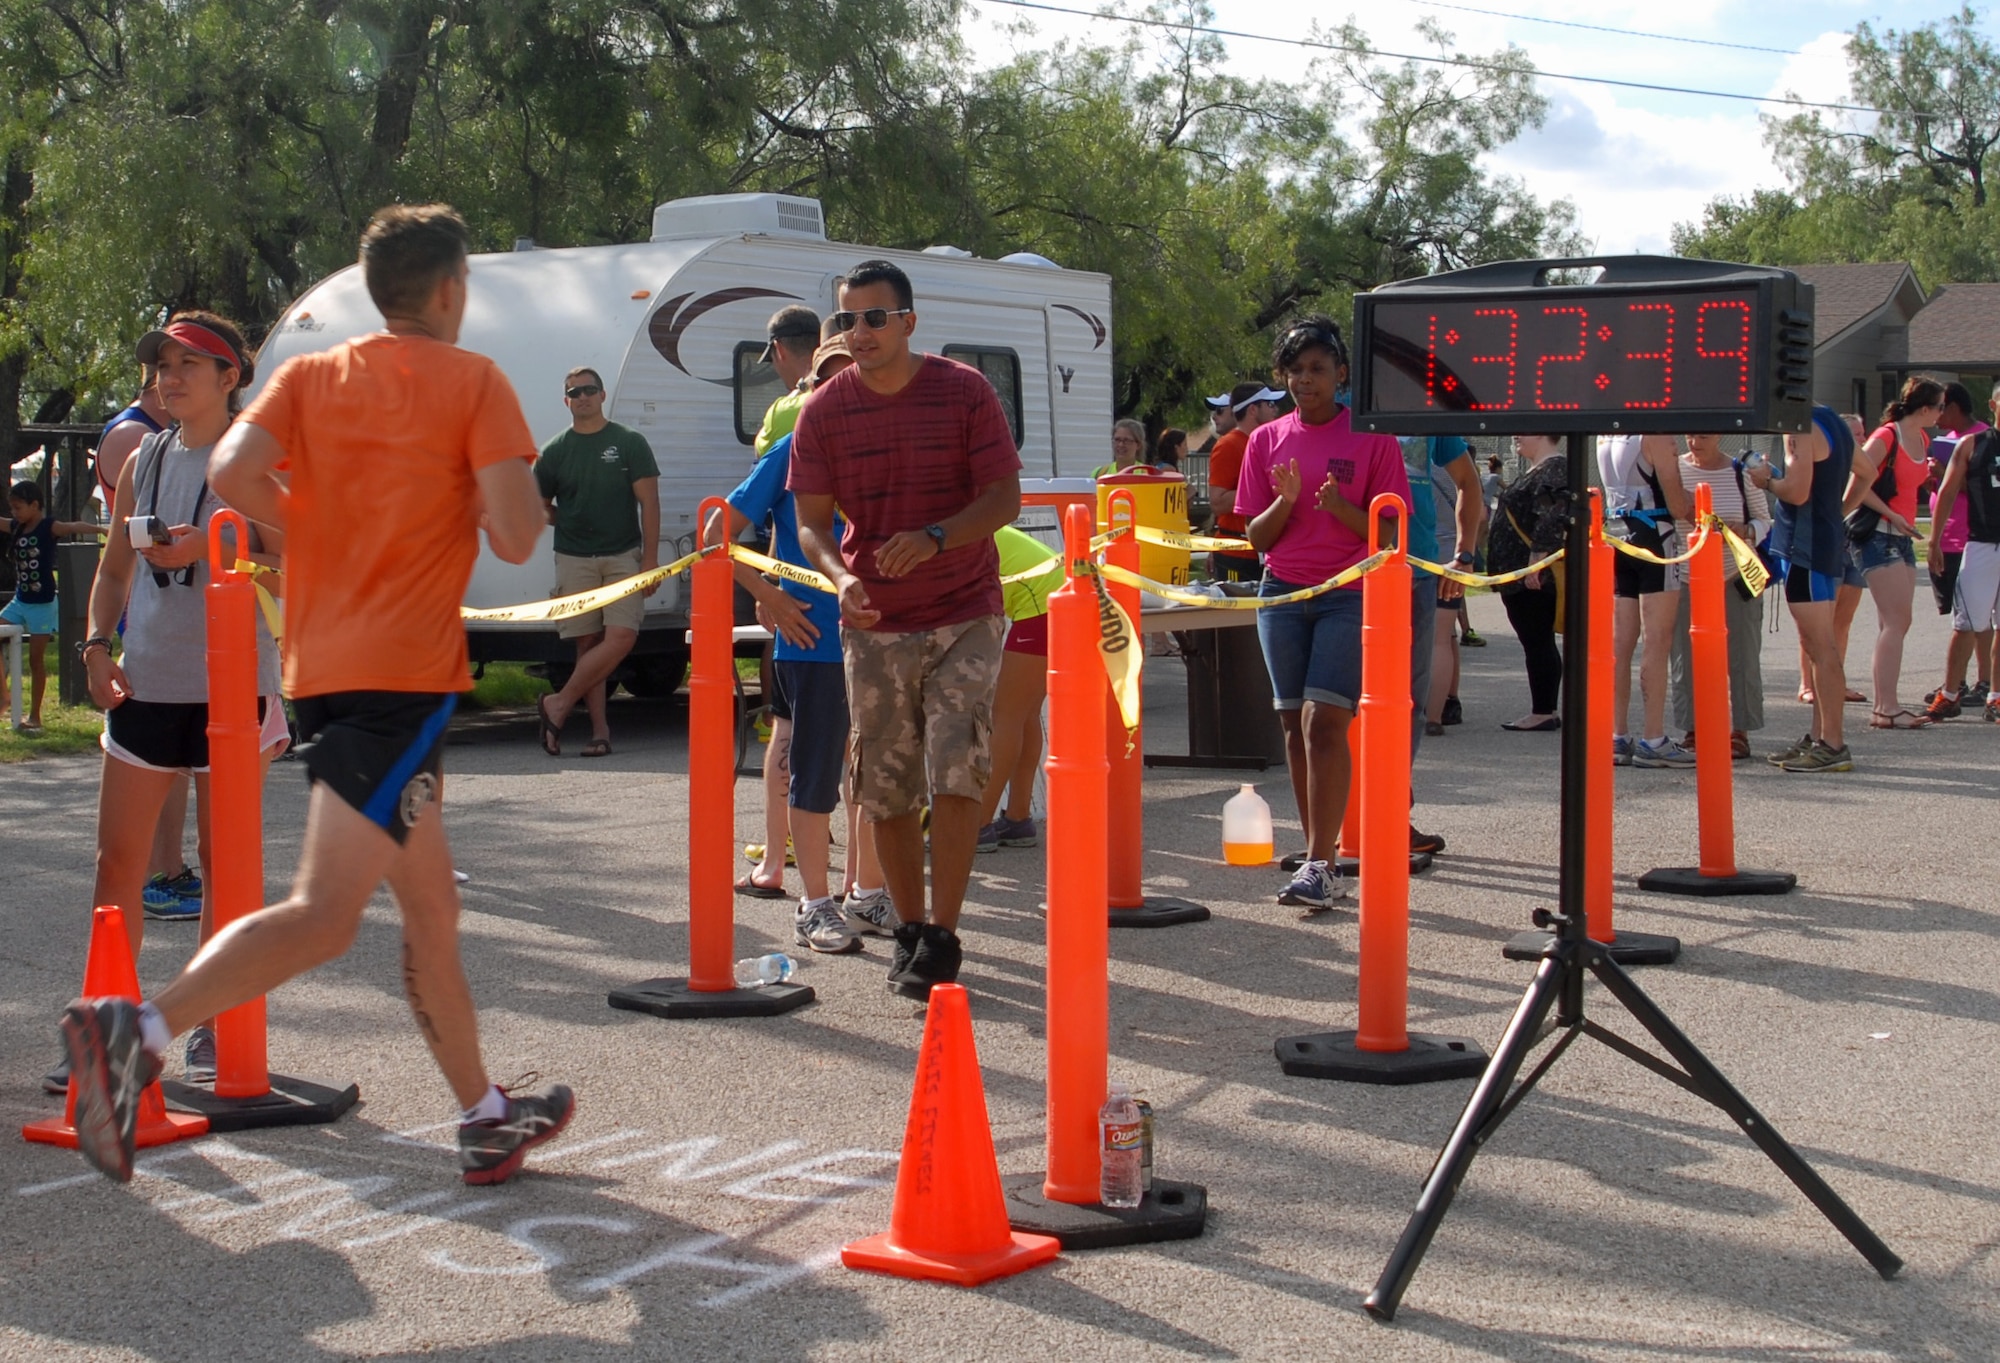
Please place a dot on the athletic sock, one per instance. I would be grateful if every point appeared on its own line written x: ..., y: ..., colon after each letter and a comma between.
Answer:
x: 491, y: 1108
x: 154, y: 1034
x: 861, y: 891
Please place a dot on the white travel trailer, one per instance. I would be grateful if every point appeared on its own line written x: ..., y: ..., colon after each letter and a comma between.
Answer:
x: 676, y: 327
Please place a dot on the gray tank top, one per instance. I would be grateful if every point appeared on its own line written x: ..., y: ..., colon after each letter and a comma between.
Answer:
x: 166, y: 618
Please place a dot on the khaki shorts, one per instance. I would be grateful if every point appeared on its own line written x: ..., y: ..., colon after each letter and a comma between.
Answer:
x: 576, y: 573
x: 921, y: 700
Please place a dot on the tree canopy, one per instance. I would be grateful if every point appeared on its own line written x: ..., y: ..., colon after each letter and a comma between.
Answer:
x: 226, y: 153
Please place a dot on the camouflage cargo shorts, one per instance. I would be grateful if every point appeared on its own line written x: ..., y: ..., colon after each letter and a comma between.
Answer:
x: 922, y: 705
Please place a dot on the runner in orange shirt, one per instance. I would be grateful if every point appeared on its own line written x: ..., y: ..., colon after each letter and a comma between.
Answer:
x: 374, y: 660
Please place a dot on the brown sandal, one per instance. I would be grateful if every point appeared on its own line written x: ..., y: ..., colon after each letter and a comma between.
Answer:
x: 1900, y: 719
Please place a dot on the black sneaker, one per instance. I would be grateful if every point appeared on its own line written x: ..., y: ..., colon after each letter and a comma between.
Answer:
x: 491, y: 1152
x: 936, y: 961
x: 907, y: 936
x: 1453, y: 712
x: 111, y: 1069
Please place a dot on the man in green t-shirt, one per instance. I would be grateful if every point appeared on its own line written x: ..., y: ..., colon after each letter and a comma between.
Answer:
x: 602, y: 491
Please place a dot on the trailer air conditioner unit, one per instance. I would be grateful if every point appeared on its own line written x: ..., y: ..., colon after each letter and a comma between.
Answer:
x: 721, y: 215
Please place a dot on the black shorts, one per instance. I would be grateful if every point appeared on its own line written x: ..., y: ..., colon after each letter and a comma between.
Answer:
x: 163, y: 735
x: 1945, y: 583
x: 381, y: 752
x: 1633, y: 578
x: 1235, y: 568
x: 816, y: 695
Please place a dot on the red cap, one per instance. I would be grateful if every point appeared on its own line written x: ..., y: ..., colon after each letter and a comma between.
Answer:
x: 195, y: 337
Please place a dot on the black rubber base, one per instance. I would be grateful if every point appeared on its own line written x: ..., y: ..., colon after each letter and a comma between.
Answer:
x: 1351, y: 866
x: 1630, y: 948
x: 291, y: 1102
x: 1333, y: 1055
x: 1689, y: 880
x: 665, y: 998
x: 1171, y: 1211
x: 1160, y: 911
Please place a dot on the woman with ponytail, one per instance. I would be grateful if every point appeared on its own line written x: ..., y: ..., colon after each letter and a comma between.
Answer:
x: 1881, y: 509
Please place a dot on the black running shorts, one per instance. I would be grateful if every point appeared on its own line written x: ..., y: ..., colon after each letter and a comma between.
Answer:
x: 381, y: 752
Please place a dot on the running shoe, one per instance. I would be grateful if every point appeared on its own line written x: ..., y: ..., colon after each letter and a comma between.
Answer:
x: 871, y: 913
x: 162, y: 901
x: 1018, y: 832
x: 198, y: 1060
x: 989, y: 837
x: 907, y: 936
x: 112, y: 1068
x: 935, y: 960
x: 1621, y: 750
x: 820, y: 925
x: 1426, y: 842
x: 1820, y: 757
x: 1975, y: 693
x: 56, y: 1081
x: 1992, y: 714
x: 1784, y: 755
x: 1943, y: 705
x: 1471, y: 638
x: 1453, y: 712
x: 187, y: 884
x: 491, y: 1152
x: 1665, y: 753
x: 1316, y: 888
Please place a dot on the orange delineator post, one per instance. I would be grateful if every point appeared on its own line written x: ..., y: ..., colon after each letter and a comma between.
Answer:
x: 1125, y: 815
x: 108, y: 972
x: 711, y: 770
x: 1079, y: 989
x: 236, y: 792
x: 1380, y: 1049
x: 1708, y: 645
x: 1382, y: 782
x: 1597, y: 730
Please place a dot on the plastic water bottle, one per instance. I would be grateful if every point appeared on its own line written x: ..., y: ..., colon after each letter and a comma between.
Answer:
x: 754, y: 972
x: 1246, y: 829
x: 1121, y: 1150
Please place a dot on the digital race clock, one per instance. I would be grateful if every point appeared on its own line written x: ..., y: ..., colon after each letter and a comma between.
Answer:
x: 1654, y: 344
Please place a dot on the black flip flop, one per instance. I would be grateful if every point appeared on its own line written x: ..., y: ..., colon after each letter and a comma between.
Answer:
x: 756, y: 891
x: 1545, y: 726
x: 551, y: 731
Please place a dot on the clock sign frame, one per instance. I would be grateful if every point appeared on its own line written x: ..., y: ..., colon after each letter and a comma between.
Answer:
x: 1654, y: 344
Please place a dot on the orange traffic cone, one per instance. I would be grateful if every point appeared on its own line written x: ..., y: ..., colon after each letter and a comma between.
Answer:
x: 950, y: 1217
x: 108, y: 973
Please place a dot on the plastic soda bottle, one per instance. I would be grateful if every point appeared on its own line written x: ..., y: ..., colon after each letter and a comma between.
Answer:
x: 1246, y: 829
x: 1121, y: 1150
x: 754, y: 972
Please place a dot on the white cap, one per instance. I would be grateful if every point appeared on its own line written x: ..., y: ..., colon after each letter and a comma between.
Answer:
x: 1261, y: 395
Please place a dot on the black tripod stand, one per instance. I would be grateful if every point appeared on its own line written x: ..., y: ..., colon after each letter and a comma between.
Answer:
x: 1559, y: 984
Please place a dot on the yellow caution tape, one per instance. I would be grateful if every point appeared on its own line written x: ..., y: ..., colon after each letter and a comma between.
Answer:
x: 804, y: 577
x: 1189, y: 597
x: 1174, y: 539
x: 581, y: 603
x: 1485, y: 579
x: 1118, y: 646
x: 1648, y: 556
x: 1749, y: 563
x: 1042, y: 569
x: 274, y: 615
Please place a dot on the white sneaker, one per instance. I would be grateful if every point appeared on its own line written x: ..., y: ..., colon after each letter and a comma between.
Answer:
x: 820, y: 925
x: 872, y: 913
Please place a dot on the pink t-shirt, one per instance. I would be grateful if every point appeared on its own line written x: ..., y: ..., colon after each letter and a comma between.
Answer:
x: 1955, y: 529
x: 1314, y: 545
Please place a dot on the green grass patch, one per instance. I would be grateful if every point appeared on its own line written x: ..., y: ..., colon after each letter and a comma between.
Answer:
x: 506, y: 686
x: 65, y: 729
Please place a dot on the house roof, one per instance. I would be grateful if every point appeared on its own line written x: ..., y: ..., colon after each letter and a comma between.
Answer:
x: 1846, y: 294
x: 1958, y: 330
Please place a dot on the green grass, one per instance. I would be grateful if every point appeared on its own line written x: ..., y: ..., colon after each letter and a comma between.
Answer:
x: 506, y: 686
x: 65, y: 729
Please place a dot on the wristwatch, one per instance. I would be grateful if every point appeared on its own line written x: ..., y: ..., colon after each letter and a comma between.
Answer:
x: 936, y: 532
x: 1464, y: 560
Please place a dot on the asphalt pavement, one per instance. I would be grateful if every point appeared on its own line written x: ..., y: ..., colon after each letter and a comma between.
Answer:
x: 696, y: 1207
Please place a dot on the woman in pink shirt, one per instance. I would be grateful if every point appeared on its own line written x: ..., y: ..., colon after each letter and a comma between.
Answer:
x: 1894, y: 454
x: 1306, y: 483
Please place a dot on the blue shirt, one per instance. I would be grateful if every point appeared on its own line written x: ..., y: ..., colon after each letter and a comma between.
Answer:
x: 1423, y: 457
x: 762, y: 496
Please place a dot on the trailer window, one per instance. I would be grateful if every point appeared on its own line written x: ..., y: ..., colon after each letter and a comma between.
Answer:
x: 757, y: 386
x: 1002, y: 368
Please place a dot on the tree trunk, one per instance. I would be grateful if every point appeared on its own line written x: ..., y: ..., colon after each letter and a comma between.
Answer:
x: 17, y: 182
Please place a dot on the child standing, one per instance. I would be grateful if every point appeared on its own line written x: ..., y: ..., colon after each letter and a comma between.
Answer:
x: 34, y: 605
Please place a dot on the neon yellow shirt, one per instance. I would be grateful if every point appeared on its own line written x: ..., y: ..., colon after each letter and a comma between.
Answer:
x: 1020, y: 551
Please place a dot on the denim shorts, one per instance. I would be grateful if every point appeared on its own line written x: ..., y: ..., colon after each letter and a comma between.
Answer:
x: 1312, y: 648
x: 1881, y: 549
x: 1850, y: 570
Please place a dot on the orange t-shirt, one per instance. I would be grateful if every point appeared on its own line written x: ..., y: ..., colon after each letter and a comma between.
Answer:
x: 382, y: 437
x: 1225, y: 466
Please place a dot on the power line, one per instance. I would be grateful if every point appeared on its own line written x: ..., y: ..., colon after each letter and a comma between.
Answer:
x: 1603, y: 28
x: 1467, y: 63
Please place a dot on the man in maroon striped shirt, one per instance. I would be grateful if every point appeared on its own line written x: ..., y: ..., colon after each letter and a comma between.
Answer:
x: 916, y: 452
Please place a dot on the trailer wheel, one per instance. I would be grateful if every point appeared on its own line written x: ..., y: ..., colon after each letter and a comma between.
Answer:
x: 656, y: 676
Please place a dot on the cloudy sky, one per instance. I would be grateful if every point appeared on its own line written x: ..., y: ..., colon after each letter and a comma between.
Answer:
x: 1633, y: 162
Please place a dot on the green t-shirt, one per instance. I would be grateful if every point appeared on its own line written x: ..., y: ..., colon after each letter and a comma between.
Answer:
x: 589, y: 478
x: 1020, y: 551
x: 779, y: 419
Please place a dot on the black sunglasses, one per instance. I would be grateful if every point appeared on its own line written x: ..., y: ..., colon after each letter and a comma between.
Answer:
x: 876, y: 318
x: 582, y: 390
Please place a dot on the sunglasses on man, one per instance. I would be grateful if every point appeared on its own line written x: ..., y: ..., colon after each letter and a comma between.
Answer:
x: 582, y: 390
x: 875, y: 318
